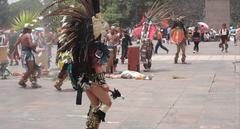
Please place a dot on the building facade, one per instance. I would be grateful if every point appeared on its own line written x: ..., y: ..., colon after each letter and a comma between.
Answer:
x: 217, y: 12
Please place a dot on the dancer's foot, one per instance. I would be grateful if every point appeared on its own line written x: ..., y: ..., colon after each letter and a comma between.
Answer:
x: 16, y: 63
x: 35, y: 85
x: 222, y: 50
x: 100, y: 115
x: 58, y: 85
x: 11, y: 63
x: 22, y: 83
x: 147, y: 70
x: 93, y: 121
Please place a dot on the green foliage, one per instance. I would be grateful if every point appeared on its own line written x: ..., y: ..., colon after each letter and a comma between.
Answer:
x: 113, y: 14
x: 235, y: 13
x: 124, y: 12
x: 31, y: 5
x: 25, y: 17
x: 53, y: 23
x: 193, y: 10
x: 3, y: 13
x: 20, y: 6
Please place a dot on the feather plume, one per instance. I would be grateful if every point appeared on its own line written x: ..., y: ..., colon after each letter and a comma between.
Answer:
x: 24, y: 17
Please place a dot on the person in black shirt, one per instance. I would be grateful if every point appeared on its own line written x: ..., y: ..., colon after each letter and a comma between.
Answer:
x: 126, y: 41
x: 196, y: 39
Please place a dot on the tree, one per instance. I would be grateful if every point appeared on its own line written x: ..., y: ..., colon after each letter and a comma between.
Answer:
x: 235, y: 13
x: 112, y: 12
x: 3, y: 13
x: 17, y: 7
x: 193, y: 10
x: 124, y: 12
x: 30, y: 5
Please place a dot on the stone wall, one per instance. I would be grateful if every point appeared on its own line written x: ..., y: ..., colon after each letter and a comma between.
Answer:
x: 217, y: 12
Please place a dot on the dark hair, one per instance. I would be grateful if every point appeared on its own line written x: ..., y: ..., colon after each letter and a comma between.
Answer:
x: 26, y: 30
x: 196, y: 28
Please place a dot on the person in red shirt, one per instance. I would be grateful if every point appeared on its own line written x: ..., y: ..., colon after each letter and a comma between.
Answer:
x: 159, y: 43
x: 196, y: 39
x: 202, y: 31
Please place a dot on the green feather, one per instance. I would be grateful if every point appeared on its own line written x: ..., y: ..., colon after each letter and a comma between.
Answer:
x: 24, y: 17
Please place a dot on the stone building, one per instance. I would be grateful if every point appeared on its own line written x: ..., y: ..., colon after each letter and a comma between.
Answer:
x: 217, y: 12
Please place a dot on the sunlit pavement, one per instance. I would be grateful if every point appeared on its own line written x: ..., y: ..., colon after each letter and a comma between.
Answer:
x: 203, y: 94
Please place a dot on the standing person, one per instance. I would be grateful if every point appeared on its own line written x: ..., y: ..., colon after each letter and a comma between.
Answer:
x: 168, y: 34
x: 3, y: 40
x: 126, y: 41
x: 65, y: 65
x: 49, y: 39
x: 159, y: 43
x: 196, y: 39
x: 190, y: 34
x: 179, y: 32
x: 64, y: 62
x: 237, y: 36
x: 13, y: 53
x: 202, y: 31
x: 112, y: 42
x: 28, y: 59
x: 224, y: 35
x: 89, y: 55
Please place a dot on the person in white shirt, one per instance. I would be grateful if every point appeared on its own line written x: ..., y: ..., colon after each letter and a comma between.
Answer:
x: 238, y: 35
x: 224, y: 33
x: 2, y: 38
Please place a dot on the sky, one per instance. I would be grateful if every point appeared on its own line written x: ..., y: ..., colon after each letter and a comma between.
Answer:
x: 11, y: 1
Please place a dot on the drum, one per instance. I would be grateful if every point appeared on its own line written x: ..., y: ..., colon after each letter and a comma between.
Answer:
x: 3, y: 54
x: 177, y: 36
x: 133, y: 58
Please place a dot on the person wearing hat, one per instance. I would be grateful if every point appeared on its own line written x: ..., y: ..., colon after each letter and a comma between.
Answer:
x: 28, y: 59
x: 179, y: 25
x: 89, y: 55
x: 14, y: 55
x: 2, y: 38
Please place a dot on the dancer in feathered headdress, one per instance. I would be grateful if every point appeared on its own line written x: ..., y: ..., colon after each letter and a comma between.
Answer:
x: 82, y: 36
x: 147, y: 27
x: 178, y: 36
x: 26, y: 21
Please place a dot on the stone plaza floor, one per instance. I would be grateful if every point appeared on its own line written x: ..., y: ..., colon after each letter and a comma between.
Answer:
x: 205, y: 95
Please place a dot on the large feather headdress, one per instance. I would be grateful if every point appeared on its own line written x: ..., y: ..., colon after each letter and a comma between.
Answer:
x: 25, y: 19
x: 82, y: 22
x: 159, y: 11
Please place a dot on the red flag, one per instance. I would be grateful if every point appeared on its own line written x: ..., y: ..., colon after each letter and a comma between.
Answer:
x: 137, y: 32
x: 165, y: 24
x: 143, y: 19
